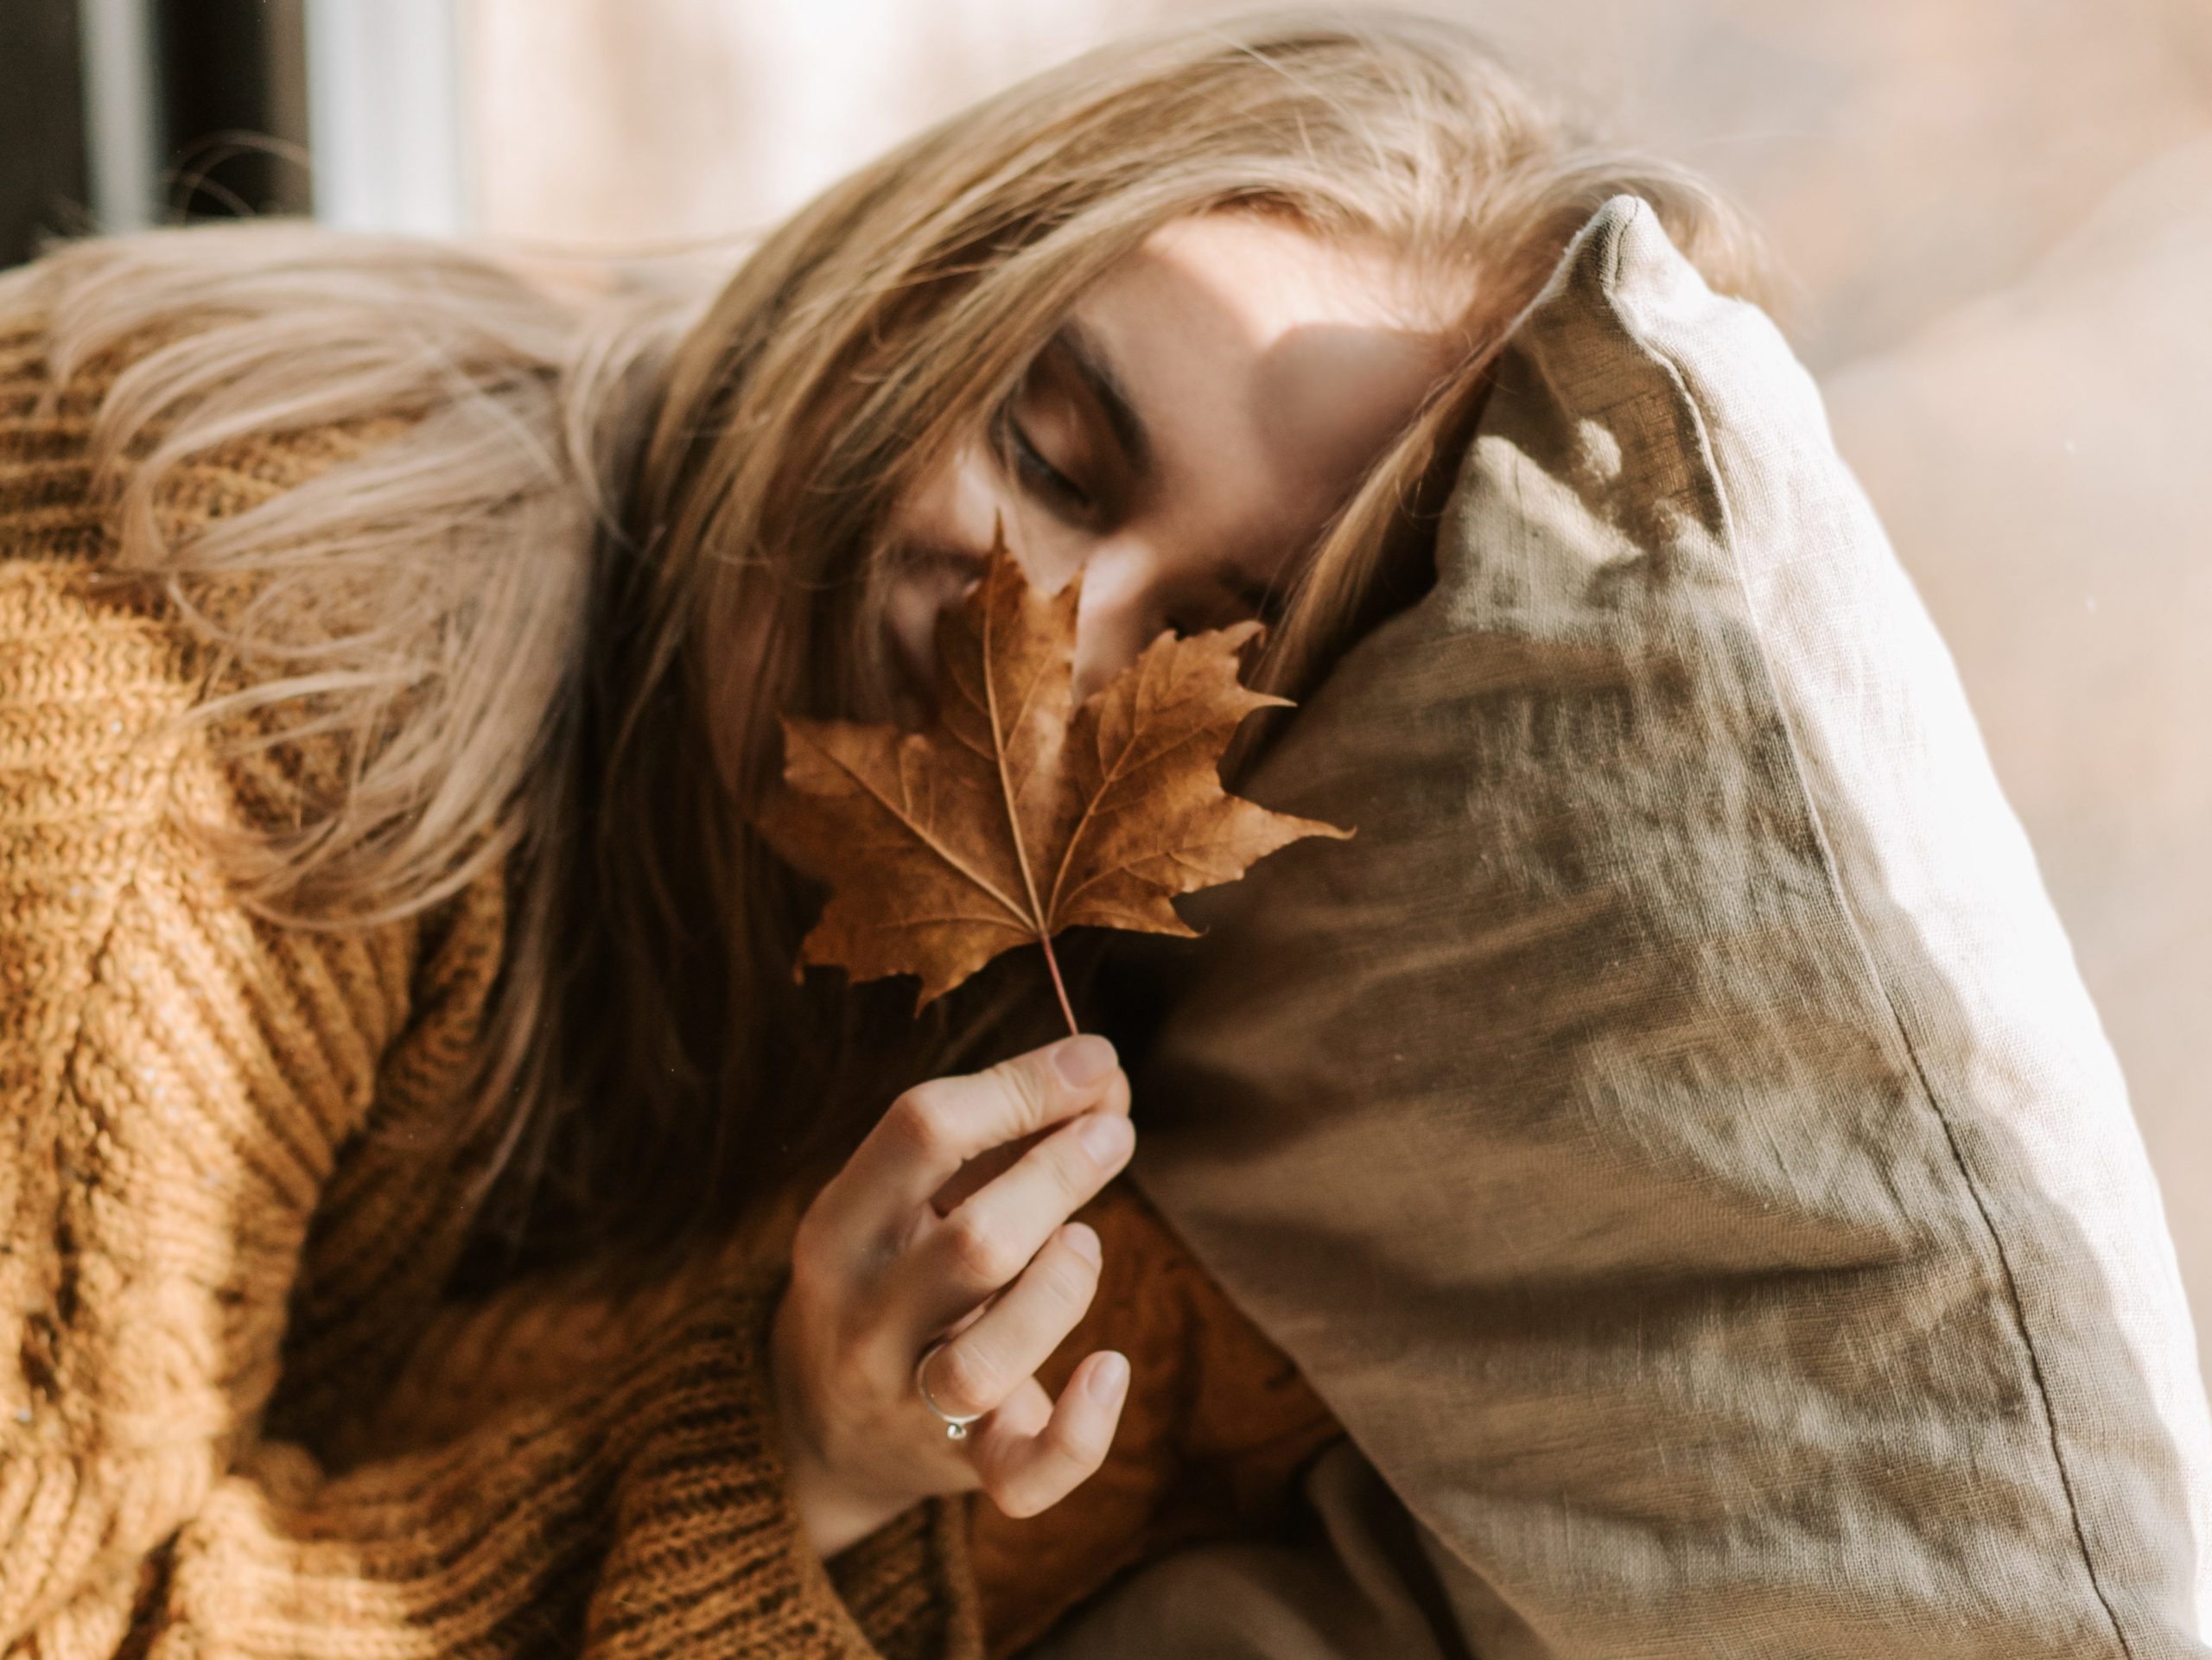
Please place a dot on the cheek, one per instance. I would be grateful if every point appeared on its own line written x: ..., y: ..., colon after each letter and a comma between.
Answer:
x: 950, y: 511
x: 919, y: 594
x: 952, y: 514
x: 933, y: 540
x: 1330, y: 403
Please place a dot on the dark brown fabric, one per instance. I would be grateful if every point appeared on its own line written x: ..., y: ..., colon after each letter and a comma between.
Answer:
x: 1217, y: 1425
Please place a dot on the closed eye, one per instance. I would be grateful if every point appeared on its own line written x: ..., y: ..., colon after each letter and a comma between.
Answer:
x: 1019, y: 452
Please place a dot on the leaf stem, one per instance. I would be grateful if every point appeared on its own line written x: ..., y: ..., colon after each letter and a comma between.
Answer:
x: 1059, y: 984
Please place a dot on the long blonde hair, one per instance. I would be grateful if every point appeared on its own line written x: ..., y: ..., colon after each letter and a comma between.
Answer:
x: 553, y: 609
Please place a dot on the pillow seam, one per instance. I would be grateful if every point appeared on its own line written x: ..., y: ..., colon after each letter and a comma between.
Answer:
x: 1709, y: 456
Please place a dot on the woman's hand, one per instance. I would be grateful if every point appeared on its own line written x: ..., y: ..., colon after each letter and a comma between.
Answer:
x: 878, y: 1272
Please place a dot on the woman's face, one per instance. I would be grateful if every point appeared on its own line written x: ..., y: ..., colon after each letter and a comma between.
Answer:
x: 1181, y: 441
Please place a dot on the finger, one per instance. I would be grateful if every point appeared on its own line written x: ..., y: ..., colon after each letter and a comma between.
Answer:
x: 1019, y: 1420
x: 979, y: 1369
x: 1024, y: 1475
x: 936, y: 1127
x: 996, y: 1231
x: 988, y: 1166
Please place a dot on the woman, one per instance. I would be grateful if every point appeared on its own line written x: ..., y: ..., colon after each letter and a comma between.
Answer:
x: 439, y: 1221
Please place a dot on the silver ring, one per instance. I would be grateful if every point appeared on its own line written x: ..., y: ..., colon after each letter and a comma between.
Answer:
x: 955, y: 1425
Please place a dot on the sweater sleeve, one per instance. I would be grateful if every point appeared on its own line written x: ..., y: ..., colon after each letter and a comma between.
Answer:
x: 179, y: 1081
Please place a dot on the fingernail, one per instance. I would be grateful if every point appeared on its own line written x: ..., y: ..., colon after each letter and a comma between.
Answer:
x: 1107, y: 1377
x: 1084, y: 1060
x: 1083, y: 1239
x: 1105, y: 1135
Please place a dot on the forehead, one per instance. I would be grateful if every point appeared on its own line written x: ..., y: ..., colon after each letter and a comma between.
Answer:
x: 1274, y: 274
x: 1272, y: 364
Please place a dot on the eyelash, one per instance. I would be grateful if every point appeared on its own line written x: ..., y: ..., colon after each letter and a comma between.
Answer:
x: 1026, y: 459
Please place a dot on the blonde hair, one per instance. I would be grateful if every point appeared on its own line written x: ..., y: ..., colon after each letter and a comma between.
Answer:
x: 554, y: 609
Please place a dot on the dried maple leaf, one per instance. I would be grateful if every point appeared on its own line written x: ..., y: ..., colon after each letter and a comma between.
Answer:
x: 1010, y: 817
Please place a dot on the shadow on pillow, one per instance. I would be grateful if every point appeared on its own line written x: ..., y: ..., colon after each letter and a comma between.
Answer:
x: 1673, y: 1136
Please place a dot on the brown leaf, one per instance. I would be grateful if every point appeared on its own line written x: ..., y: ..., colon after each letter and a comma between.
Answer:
x: 1010, y: 818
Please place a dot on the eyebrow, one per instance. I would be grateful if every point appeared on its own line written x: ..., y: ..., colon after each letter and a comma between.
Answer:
x: 1097, y: 368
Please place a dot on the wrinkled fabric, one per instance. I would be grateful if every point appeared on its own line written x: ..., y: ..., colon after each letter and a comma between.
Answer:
x: 1673, y: 1136
x: 1341, y: 1585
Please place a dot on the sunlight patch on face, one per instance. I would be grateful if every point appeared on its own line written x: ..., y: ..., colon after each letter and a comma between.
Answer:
x: 1277, y: 365
x: 1267, y: 370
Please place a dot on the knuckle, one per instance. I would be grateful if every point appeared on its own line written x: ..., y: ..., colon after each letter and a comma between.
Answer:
x: 965, y: 1380
x: 1076, y: 1172
x: 1069, y: 1278
x: 926, y: 1119
x: 979, y: 1252
x: 1027, y: 1086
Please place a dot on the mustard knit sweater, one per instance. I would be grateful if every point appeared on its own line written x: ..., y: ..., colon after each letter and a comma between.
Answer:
x: 241, y: 1422
x: 213, y: 1226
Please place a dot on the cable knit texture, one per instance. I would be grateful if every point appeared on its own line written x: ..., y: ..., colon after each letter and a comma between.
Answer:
x: 221, y: 1246
x: 242, y: 1422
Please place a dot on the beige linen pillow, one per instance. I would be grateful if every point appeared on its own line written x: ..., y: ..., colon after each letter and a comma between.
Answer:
x: 2039, y: 460
x: 1673, y: 1135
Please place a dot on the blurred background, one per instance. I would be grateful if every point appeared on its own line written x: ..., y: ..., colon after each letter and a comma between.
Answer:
x: 1997, y: 214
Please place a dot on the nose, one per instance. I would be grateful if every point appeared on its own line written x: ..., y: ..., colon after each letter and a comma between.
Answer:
x: 1119, y: 615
